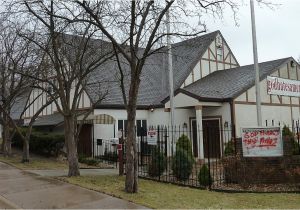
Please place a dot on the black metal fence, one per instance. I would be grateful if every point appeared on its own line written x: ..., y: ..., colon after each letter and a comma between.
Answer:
x: 207, y: 156
x: 103, y: 150
x: 191, y: 157
x: 210, y: 158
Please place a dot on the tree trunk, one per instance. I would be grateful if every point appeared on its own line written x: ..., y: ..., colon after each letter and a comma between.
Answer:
x: 131, y: 182
x: 71, y: 145
x: 131, y: 185
x: 6, y: 140
x: 25, y: 158
x: 2, y: 144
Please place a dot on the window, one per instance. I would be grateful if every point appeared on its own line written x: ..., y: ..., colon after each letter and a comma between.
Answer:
x: 141, y: 127
x: 220, y: 54
x: 122, y: 125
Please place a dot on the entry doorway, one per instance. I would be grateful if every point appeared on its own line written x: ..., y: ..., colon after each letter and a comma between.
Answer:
x: 211, y: 131
x: 212, y: 137
x: 85, y: 140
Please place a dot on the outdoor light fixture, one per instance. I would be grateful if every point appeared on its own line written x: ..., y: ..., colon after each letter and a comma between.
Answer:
x: 225, y: 124
x: 185, y: 125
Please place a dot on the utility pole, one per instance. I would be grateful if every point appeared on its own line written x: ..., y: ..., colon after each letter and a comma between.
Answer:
x: 170, y: 68
x: 256, y: 67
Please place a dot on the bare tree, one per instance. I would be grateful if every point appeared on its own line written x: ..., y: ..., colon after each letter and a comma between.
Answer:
x: 15, y: 56
x: 137, y: 29
x: 70, y: 55
x: 19, y: 57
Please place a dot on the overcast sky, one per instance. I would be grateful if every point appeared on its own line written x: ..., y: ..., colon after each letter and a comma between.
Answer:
x: 278, y: 31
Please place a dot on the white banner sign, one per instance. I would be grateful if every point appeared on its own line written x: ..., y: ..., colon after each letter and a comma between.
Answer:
x: 262, y: 142
x: 152, y: 137
x: 283, y: 87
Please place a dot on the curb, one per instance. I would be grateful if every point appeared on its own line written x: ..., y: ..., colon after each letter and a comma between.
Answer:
x: 9, y: 203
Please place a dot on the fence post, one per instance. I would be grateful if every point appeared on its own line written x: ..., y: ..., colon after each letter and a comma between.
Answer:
x: 297, y: 126
x: 120, y: 154
x: 166, y: 140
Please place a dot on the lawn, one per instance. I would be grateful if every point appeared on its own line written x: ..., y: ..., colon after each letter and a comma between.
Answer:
x: 35, y: 163
x: 167, y: 196
x: 38, y: 162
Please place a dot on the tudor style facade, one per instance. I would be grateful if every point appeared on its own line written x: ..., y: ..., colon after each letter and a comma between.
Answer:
x: 211, y: 89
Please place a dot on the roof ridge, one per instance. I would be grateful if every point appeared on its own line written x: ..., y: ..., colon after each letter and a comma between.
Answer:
x: 261, y: 63
x: 196, y: 37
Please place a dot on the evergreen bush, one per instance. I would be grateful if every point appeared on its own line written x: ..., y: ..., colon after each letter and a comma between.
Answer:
x: 157, y: 163
x: 288, y: 134
x: 184, y: 143
x: 229, y: 148
x: 182, y: 164
x: 204, y: 176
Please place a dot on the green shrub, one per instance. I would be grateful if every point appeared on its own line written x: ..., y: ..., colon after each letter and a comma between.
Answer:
x: 157, y: 163
x: 183, y: 160
x: 48, y: 144
x: 182, y: 164
x: 88, y: 161
x: 287, y: 132
x: 184, y: 143
x: 296, y: 148
x: 110, y: 156
x: 204, y: 176
x: 229, y: 148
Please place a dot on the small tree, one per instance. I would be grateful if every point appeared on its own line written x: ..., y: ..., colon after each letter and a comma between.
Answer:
x: 182, y: 164
x: 157, y: 163
x: 184, y: 143
x: 289, y: 138
x: 229, y: 147
x: 183, y: 160
x: 286, y: 132
x: 204, y: 176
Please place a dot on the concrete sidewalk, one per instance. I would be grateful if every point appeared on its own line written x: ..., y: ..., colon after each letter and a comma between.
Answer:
x: 28, y: 191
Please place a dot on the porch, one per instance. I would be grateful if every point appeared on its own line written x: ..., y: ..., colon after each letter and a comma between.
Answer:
x: 208, y: 126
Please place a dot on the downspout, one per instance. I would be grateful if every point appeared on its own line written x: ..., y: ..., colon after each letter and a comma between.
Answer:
x: 232, y: 116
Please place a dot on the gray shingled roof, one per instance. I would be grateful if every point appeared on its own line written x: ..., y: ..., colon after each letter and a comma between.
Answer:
x: 19, y: 105
x: 49, y: 120
x: 154, y: 78
x: 230, y: 83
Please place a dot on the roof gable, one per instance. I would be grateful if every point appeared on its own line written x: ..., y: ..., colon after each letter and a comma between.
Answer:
x: 154, y: 78
x: 187, y: 53
x: 230, y: 83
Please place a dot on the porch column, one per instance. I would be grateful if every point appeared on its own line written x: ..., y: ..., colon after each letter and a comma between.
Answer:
x: 199, y: 132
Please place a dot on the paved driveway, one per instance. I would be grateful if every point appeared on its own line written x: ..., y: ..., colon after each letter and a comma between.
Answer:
x: 30, y: 191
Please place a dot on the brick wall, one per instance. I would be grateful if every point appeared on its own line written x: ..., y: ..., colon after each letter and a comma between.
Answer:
x: 262, y: 170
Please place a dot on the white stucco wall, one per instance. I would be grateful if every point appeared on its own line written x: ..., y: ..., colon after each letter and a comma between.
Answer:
x: 223, y: 111
x: 158, y: 117
x: 246, y: 115
x: 275, y: 109
x: 84, y: 102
